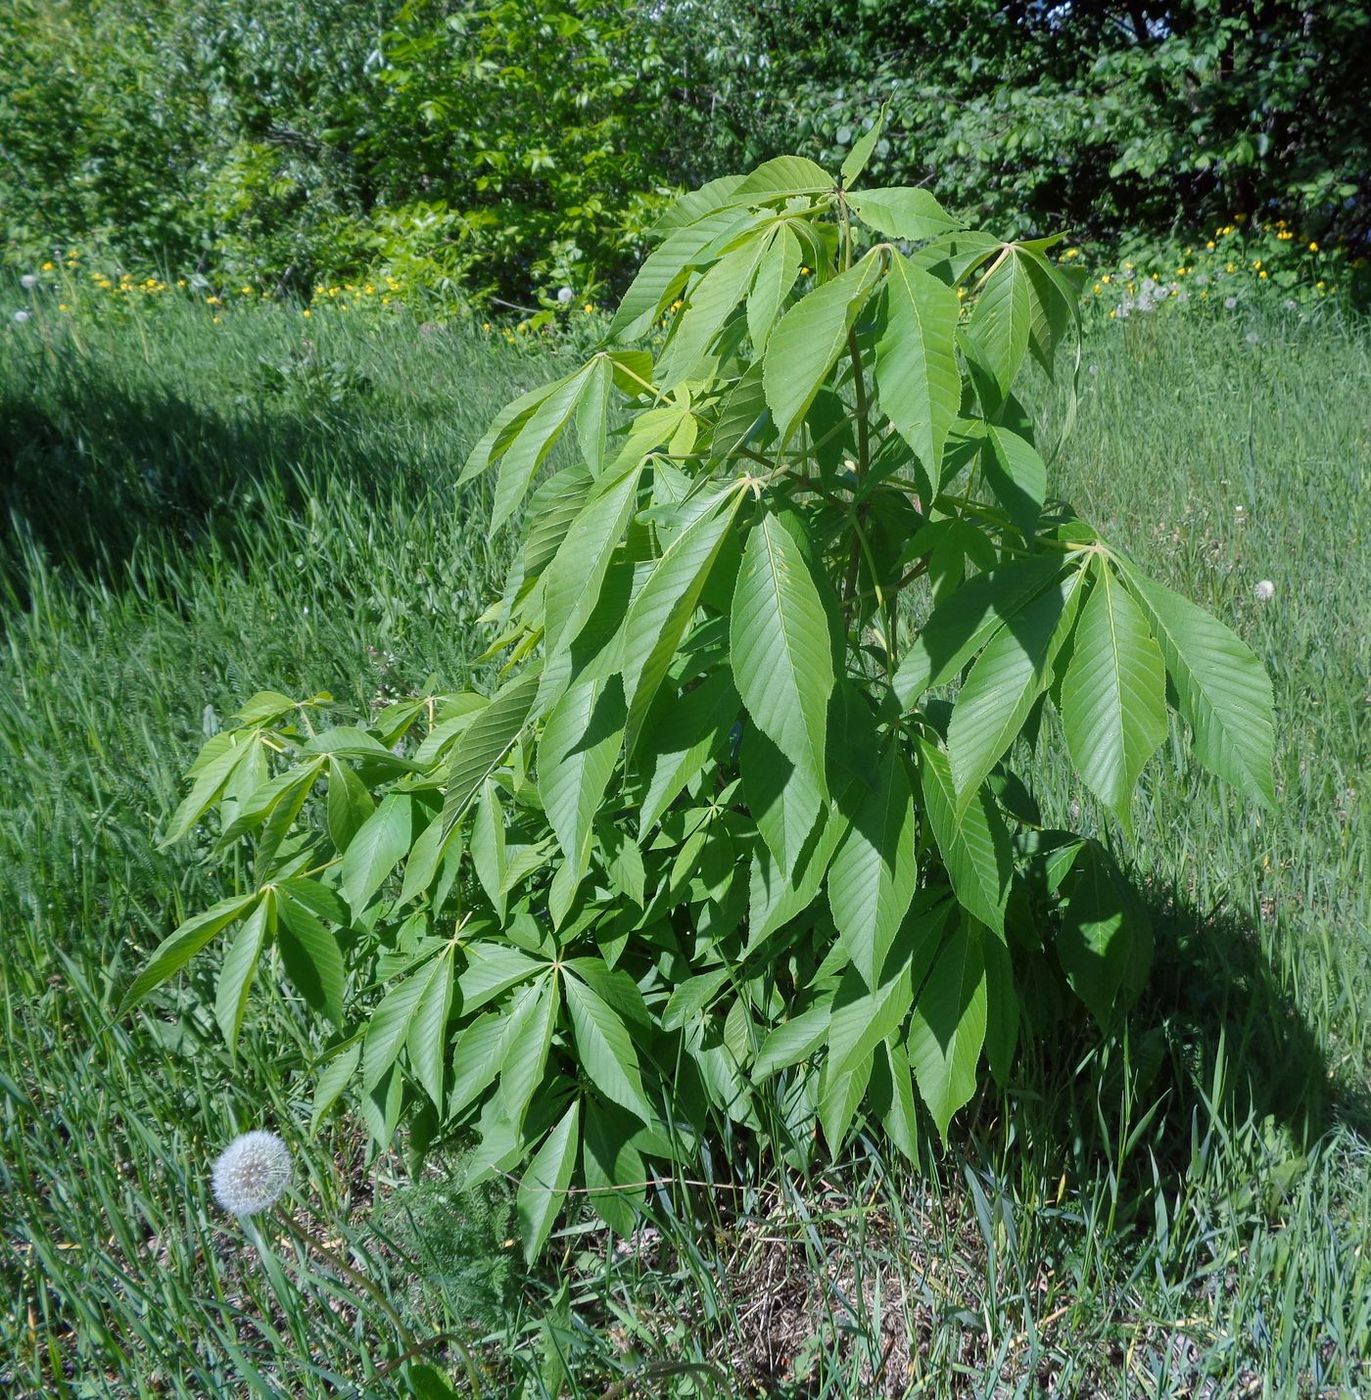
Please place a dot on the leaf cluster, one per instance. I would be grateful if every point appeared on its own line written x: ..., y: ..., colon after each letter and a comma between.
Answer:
x: 735, y: 844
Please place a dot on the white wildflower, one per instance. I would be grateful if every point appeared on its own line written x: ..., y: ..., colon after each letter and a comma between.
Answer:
x: 1265, y: 591
x: 564, y: 295
x: 29, y: 281
x: 20, y: 317
x: 251, y: 1173
x: 1229, y: 303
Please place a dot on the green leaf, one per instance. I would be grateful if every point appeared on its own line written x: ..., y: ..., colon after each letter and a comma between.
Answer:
x: 792, y: 1041
x: 551, y: 512
x: 487, y: 846
x: 394, y: 1017
x: 313, y: 959
x: 531, y: 1022
x: 808, y: 339
x: 740, y: 414
x: 544, y: 1185
x: 493, y: 968
x: 381, y: 842
x: 966, y: 621
x: 690, y: 998
x: 663, y: 271
x: 174, y: 952
x: 892, y: 1099
x: 872, y: 878
x: 784, y: 800
x: 606, y: 1050
x: 777, y: 270
x: 679, y: 740
x: 333, y: 1079
x: 916, y: 360
x: 485, y: 742
x: 780, y: 177
x: 535, y: 440
x: 1001, y: 318
x: 779, y: 647
x: 576, y: 757
x: 1113, y: 694
x: 1223, y: 691
x: 349, y: 804
x: 861, y: 1018
x: 1002, y: 1009
x: 974, y: 842
x: 711, y: 301
x: 426, y: 1042
x: 664, y: 606
x: 857, y: 157
x: 947, y: 1029
x: 210, y: 780
x: 1104, y: 931
x: 613, y: 1166
x: 240, y: 967
x: 505, y: 428
x: 1001, y: 688
x: 477, y: 1055
x: 422, y: 866
x: 910, y: 214
x: 592, y: 411
x: 772, y: 899
x: 1017, y: 475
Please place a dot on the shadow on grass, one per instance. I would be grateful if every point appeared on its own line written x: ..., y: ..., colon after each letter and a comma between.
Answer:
x: 89, y: 471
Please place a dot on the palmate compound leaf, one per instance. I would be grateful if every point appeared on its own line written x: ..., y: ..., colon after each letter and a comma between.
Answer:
x: 576, y: 757
x: 485, y: 742
x: 779, y: 647
x: 916, y: 360
x: 1113, y: 694
x: 1002, y: 317
x: 1223, y: 690
x: 808, y: 339
x: 175, y: 951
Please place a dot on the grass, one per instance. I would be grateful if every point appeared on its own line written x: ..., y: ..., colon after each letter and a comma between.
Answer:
x: 200, y: 510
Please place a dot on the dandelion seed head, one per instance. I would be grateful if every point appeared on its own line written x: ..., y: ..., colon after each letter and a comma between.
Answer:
x: 20, y: 317
x: 251, y: 1174
x: 565, y: 295
x: 28, y: 281
x: 1265, y: 590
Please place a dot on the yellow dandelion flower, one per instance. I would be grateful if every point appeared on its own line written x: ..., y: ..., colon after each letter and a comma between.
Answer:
x: 1256, y: 263
x: 218, y: 320
x: 369, y: 290
x: 307, y: 313
x: 213, y: 301
x: 961, y: 293
x: 485, y: 325
x: 245, y: 291
x: 804, y: 270
x: 677, y: 304
x: 1313, y: 247
x: 1096, y: 289
x: 1230, y: 267
x: 1319, y: 285
x: 62, y: 306
x: 1262, y: 274
x: 1106, y: 279
x: 1210, y: 245
x: 48, y: 267
x: 181, y: 282
x: 589, y: 308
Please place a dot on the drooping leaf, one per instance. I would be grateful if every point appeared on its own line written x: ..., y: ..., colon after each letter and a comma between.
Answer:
x: 1223, y: 690
x: 311, y: 954
x: 1113, y: 694
x: 1104, y: 933
x: 916, y: 360
x: 679, y: 739
x: 1001, y: 318
x: 606, y: 1050
x: 544, y: 1185
x: 576, y: 758
x: 711, y: 302
x: 485, y: 742
x: 663, y: 608
x: 382, y: 841
x: 394, y: 1017
x: 1016, y: 474
x: 974, y: 840
x: 962, y: 624
x: 775, y: 275
x: 240, y: 968
x: 779, y: 647
x: 792, y: 1041
x: 910, y: 214
x: 783, y: 799
x: 947, y: 1029
x: 872, y: 878
x: 175, y: 951
x: 1009, y: 675
x: 808, y: 339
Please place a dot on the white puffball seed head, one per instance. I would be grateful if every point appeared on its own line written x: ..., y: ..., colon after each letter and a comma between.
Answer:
x: 564, y: 295
x: 251, y: 1174
x: 1265, y: 591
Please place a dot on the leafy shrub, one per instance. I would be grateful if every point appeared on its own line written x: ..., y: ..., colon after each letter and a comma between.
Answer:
x: 729, y: 850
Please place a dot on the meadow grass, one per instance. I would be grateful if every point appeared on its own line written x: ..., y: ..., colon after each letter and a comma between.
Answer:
x: 201, y: 510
